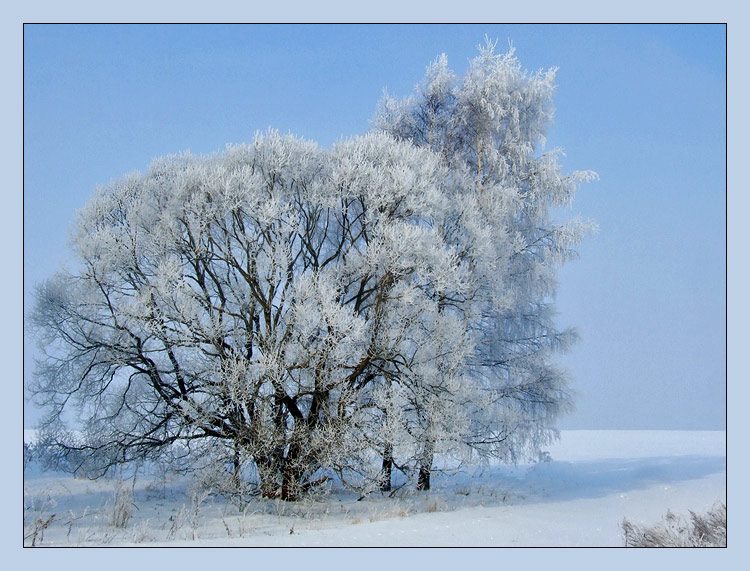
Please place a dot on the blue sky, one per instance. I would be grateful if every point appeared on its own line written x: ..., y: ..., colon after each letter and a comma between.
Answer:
x: 644, y: 106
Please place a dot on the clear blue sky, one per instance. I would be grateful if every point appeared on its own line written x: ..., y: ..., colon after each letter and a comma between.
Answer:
x: 644, y: 106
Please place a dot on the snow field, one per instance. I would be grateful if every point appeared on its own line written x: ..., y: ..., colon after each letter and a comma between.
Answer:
x: 596, y: 479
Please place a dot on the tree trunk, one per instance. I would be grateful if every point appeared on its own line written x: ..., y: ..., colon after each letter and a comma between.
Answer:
x: 237, y: 466
x: 293, y: 467
x: 385, y: 473
x: 423, y: 482
x: 425, y: 468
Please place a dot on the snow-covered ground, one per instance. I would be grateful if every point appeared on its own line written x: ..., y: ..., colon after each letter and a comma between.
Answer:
x: 595, y: 479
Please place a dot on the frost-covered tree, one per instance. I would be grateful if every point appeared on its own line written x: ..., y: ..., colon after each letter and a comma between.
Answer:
x: 291, y: 312
x: 489, y: 127
x: 261, y: 299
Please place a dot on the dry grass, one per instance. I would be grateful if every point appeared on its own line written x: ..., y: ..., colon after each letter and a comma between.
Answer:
x: 433, y: 507
x: 709, y: 530
x: 123, y: 506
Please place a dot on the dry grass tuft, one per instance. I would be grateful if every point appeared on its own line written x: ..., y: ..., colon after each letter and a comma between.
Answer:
x: 709, y: 530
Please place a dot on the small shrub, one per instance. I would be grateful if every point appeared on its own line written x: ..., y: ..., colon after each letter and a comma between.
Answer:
x: 709, y: 530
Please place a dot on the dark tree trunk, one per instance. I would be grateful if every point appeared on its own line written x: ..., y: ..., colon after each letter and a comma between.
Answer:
x: 294, y: 466
x: 423, y: 482
x: 237, y: 466
x: 385, y: 473
x: 425, y: 468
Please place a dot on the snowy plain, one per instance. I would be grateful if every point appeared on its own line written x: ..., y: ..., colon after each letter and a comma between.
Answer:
x: 593, y: 480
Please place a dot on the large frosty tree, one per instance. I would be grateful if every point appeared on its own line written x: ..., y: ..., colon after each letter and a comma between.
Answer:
x: 305, y: 312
